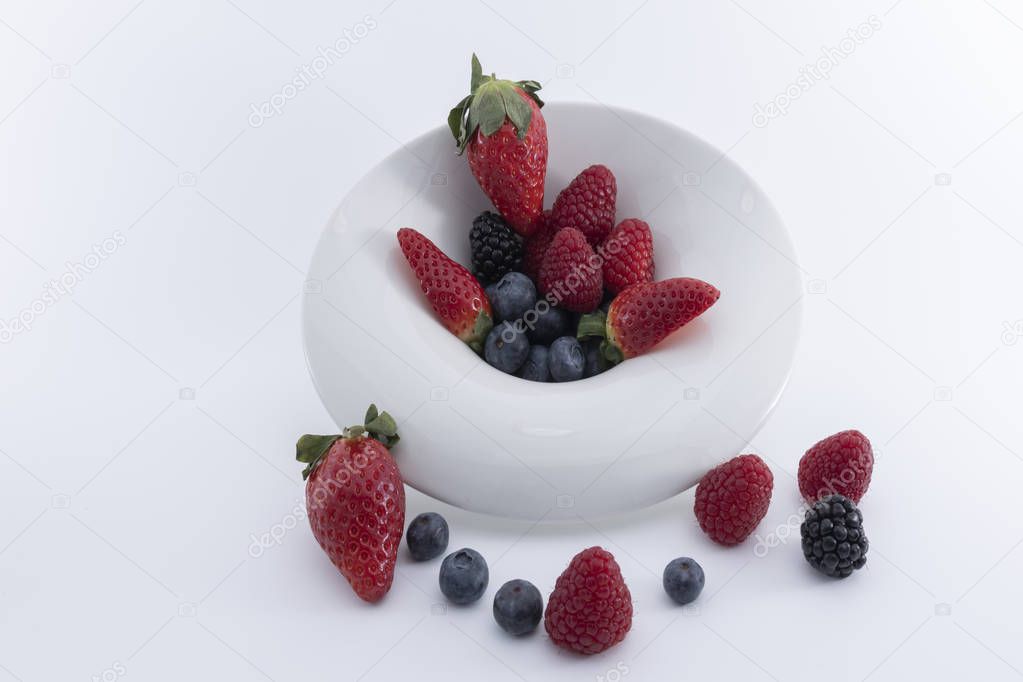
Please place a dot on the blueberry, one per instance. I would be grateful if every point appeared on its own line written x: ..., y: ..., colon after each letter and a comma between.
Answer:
x: 513, y: 295
x: 683, y: 580
x: 518, y: 607
x: 464, y: 576
x: 535, y: 367
x: 506, y: 349
x: 595, y: 361
x: 427, y: 536
x: 566, y: 359
x: 549, y: 325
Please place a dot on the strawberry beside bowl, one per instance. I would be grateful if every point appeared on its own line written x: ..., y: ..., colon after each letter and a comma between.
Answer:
x: 630, y: 437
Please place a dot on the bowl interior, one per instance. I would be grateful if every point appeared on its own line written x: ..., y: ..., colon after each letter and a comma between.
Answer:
x: 632, y: 436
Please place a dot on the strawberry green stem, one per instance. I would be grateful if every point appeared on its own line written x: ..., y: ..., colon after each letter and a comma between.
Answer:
x: 592, y: 325
x: 612, y: 353
x: 595, y: 325
x: 311, y: 449
x: 478, y: 336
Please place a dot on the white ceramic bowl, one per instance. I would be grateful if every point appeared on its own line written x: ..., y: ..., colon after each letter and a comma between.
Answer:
x: 630, y: 437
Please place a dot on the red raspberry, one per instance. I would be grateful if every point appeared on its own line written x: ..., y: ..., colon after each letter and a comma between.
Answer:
x: 733, y: 498
x: 536, y: 246
x: 840, y: 464
x: 628, y: 254
x: 590, y: 609
x: 588, y: 204
x: 571, y: 272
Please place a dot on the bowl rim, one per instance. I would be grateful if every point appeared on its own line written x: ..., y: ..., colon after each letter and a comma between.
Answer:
x: 536, y: 392
x: 552, y: 388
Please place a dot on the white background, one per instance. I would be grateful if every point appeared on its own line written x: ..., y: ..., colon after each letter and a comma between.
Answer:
x: 149, y: 417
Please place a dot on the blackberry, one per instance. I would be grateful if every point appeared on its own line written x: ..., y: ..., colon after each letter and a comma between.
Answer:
x: 496, y: 248
x: 833, y: 539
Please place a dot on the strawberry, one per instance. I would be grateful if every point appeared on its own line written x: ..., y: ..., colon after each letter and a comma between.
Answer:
x: 570, y: 272
x: 500, y: 124
x: 455, y: 295
x: 644, y: 314
x: 628, y: 254
x: 588, y: 204
x: 536, y: 246
x: 355, y: 501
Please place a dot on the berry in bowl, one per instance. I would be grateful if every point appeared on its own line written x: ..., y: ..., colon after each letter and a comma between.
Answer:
x: 591, y: 358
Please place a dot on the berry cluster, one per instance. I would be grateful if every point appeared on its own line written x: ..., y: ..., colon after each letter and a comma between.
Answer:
x: 546, y: 273
x: 732, y: 499
x: 568, y: 294
x: 544, y: 291
x: 356, y: 507
x: 589, y: 610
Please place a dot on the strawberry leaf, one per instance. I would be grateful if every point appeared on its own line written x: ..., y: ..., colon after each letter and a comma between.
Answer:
x: 457, y: 123
x: 311, y: 449
x: 489, y: 107
x: 383, y: 425
x: 530, y: 88
x: 518, y: 111
x: 491, y: 102
x: 371, y: 414
x: 477, y: 74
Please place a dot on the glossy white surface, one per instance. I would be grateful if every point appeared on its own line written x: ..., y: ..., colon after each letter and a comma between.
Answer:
x: 630, y: 437
x: 151, y: 515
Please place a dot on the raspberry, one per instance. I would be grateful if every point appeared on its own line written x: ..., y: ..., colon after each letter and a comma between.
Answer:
x: 628, y: 255
x: 588, y: 204
x: 833, y: 539
x: 571, y: 272
x: 536, y: 246
x: 590, y: 609
x: 733, y: 498
x: 841, y: 463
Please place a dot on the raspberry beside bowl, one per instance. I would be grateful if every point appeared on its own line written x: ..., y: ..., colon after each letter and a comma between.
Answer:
x: 630, y: 437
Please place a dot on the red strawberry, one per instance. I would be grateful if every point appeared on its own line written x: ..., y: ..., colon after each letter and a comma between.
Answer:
x: 501, y: 124
x: 733, y: 498
x: 628, y: 254
x: 588, y: 204
x: 536, y: 246
x: 644, y: 314
x: 590, y: 609
x: 455, y: 295
x: 840, y: 464
x: 570, y: 272
x: 355, y: 501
